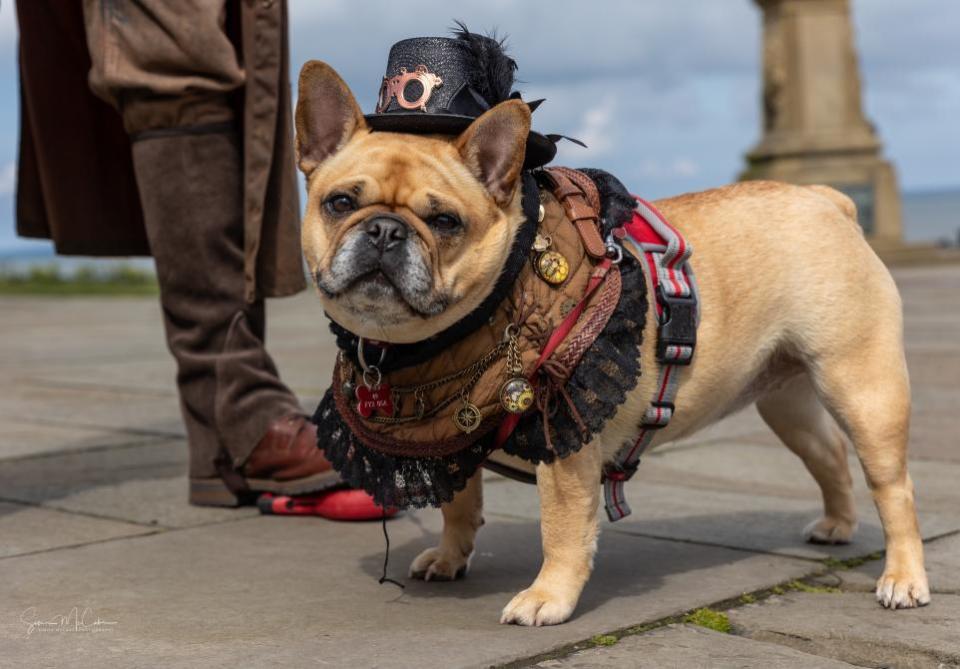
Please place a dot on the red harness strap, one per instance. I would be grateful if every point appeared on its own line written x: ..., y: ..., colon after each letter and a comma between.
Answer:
x: 666, y: 253
x: 509, y: 423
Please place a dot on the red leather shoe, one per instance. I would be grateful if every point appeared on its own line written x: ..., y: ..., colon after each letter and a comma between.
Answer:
x: 286, y: 461
x: 332, y: 505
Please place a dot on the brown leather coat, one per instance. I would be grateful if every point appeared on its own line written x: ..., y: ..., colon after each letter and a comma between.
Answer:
x: 75, y: 182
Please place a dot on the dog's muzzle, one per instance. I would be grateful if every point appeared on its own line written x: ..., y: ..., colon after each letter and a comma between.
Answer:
x: 386, y: 232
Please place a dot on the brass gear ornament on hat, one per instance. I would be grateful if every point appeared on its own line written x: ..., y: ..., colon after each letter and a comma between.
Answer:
x: 442, y: 84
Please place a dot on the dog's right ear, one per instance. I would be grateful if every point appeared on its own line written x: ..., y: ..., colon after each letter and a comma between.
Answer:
x: 327, y: 115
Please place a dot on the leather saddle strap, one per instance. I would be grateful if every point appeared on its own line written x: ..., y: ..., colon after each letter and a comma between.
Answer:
x: 581, y: 202
x: 583, y: 182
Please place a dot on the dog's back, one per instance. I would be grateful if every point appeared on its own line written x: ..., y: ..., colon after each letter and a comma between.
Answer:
x: 783, y: 271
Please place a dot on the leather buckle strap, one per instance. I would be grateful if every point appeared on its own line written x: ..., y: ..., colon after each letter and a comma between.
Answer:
x: 581, y: 203
x: 584, y: 183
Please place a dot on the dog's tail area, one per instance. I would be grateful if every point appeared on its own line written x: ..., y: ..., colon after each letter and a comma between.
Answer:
x: 842, y: 202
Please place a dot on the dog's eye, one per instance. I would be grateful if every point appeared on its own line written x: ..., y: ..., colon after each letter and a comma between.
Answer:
x: 445, y: 223
x: 341, y: 204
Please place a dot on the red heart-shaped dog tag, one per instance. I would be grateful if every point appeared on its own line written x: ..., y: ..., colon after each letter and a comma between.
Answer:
x: 376, y: 399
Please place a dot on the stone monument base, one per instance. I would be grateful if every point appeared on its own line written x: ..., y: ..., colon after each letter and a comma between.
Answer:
x: 867, y: 179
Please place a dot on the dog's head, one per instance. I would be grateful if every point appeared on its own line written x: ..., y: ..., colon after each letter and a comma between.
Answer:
x: 404, y: 234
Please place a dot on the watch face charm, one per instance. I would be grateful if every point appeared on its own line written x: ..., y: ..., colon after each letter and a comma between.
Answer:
x: 516, y: 393
x: 550, y: 265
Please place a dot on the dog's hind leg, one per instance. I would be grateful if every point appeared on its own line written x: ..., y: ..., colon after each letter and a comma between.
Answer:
x: 461, y: 519
x: 795, y: 413
x: 569, y: 491
x: 866, y: 388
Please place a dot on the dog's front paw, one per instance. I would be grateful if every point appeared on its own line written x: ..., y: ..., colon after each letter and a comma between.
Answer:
x: 535, y: 606
x: 899, y: 590
x: 830, y: 530
x: 436, y: 564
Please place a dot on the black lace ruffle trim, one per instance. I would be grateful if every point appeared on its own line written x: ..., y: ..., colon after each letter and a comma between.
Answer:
x: 608, y: 370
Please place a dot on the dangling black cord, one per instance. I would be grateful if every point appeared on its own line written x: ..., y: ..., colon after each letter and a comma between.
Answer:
x: 386, y: 553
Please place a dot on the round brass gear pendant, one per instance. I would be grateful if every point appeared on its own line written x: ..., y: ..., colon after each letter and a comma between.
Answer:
x: 516, y: 395
x: 467, y: 418
x: 552, y: 267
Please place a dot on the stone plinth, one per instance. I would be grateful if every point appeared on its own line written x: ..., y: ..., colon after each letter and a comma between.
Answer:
x: 815, y: 130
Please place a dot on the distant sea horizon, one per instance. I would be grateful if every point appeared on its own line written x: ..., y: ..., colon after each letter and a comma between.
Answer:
x: 929, y: 216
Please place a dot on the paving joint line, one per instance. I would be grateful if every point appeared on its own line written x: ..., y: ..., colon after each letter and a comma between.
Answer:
x: 77, y: 512
x: 93, y: 426
x: 643, y: 535
x: 744, y: 599
x: 108, y: 387
x: 53, y: 549
x: 155, y: 531
x: 149, y: 441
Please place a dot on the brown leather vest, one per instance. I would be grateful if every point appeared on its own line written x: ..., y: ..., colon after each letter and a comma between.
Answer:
x: 426, y: 397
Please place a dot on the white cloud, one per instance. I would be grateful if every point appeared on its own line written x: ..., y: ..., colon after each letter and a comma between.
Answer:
x: 682, y: 168
x: 8, y: 24
x: 8, y: 179
x: 597, y: 130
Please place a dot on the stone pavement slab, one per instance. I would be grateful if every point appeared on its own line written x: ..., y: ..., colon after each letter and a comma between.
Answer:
x: 93, y: 516
x: 851, y: 627
x: 143, y: 484
x: 942, y: 557
x: 774, y: 471
x: 303, y: 591
x: 52, y: 331
x: 736, y: 520
x: 28, y: 529
x: 90, y: 407
x: 23, y: 438
x: 749, y: 496
x: 690, y: 647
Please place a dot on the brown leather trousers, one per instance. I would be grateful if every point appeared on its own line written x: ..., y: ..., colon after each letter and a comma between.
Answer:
x: 170, y: 70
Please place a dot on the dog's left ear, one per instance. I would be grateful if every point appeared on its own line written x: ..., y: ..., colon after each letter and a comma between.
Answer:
x: 327, y: 115
x: 494, y: 146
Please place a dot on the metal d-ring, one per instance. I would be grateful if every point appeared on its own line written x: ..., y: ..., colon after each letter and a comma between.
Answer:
x: 370, y: 369
x: 614, y: 250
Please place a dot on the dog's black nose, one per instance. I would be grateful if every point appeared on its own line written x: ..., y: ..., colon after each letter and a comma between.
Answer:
x: 386, y: 232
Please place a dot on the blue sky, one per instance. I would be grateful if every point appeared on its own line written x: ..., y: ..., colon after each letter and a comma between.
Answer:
x: 666, y: 94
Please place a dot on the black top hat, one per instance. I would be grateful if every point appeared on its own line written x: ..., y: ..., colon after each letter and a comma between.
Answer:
x: 441, y: 84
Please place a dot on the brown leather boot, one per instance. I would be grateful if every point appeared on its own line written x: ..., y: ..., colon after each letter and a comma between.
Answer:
x: 286, y: 461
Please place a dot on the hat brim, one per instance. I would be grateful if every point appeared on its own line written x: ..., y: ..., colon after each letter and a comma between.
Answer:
x: 540, y: 149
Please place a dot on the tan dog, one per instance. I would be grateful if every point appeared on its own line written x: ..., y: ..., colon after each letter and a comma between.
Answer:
x: 818, y: 346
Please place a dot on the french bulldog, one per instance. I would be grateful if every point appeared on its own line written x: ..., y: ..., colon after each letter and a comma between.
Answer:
x: 405, y: 234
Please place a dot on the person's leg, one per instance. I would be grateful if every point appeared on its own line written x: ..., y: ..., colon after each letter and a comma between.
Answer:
x: 190, y: 190
x: 171, y: 70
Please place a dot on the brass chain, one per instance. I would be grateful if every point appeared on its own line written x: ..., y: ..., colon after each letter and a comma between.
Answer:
x: 475, y: 370
x: 514, y: 363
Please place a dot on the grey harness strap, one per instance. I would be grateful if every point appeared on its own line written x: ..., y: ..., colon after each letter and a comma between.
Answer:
x: 666, y: 254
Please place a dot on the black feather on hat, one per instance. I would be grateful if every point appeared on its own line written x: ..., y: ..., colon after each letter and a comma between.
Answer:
x: 489, y: 69
x: 442, y: 84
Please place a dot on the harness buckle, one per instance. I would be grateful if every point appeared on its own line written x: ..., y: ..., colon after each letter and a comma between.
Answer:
x: 677, y: 328
x: 619, y: 471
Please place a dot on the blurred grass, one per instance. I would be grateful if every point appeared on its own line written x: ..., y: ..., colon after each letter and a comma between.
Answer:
x: 50, y: 280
